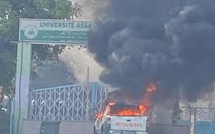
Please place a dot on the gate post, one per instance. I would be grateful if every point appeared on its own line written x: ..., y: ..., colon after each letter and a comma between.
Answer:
x: 94, y: 97
x: 22, y: 85
x: 12, y: 102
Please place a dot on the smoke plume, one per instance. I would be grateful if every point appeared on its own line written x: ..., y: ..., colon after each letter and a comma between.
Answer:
x: 143, y: 41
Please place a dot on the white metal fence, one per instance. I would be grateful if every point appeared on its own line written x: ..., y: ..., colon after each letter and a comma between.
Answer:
x: 67, y: 103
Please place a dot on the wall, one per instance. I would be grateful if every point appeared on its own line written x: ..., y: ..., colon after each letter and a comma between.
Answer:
x: 168, y: 129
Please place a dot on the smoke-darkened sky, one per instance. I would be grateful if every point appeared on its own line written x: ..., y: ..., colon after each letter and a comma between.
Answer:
x: 142, y: 41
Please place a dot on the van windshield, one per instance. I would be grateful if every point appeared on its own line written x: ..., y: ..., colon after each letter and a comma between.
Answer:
x: 121, y: 109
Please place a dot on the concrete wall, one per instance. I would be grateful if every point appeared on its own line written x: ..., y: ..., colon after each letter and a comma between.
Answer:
x: 31, y: 127
x: 76, y: 128
x: 168, y: 129
x: 34, y: 127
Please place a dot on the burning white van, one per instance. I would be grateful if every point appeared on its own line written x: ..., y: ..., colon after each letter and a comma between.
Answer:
x: 121, y: 118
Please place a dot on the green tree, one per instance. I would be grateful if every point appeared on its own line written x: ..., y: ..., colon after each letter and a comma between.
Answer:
x: 10, y: 12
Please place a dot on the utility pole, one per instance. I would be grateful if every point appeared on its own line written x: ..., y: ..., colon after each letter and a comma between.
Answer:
x: 88, y: 74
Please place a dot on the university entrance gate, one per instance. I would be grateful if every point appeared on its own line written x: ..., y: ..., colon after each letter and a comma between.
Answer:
x: 50, y: 32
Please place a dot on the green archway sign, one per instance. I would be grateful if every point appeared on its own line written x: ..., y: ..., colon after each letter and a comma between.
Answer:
x: 41, y: 31
x: 54, y: 31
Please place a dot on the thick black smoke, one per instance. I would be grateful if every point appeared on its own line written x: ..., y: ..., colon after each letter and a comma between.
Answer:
x: 142, y: 41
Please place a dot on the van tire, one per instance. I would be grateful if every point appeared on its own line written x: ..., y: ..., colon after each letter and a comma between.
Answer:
x: 94, y: 130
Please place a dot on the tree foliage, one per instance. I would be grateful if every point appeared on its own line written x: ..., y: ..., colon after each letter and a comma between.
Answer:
x: 10, y: 12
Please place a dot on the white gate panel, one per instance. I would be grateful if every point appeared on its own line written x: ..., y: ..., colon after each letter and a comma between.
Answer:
x: 67, y: 103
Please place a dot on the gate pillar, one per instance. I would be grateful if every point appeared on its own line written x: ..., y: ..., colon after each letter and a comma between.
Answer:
x: 22, y: 85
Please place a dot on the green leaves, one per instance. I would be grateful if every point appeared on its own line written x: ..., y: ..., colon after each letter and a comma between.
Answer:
x: 5, y: 8
x: 59, y: 9
x: 10, y: 12
x: 62, y: 11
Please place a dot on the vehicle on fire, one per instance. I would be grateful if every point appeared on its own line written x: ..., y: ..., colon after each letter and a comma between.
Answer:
x: 121, y: 118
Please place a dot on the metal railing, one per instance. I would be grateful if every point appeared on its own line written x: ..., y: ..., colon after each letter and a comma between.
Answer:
x: 204, y: 114
x: 67, y: 103
x: 197, y: 118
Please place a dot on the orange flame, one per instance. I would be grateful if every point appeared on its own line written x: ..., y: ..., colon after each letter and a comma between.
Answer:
x: 143, y: 109
x: 99, y: 115
x: 132, y: 112
x: 127, y: 111
x: 151, y: 88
